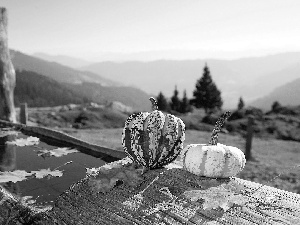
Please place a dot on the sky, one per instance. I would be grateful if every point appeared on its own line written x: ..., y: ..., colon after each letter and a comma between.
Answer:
x: 184, y: 28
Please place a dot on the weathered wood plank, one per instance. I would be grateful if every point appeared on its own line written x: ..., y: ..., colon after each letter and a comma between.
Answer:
x: 106, y: 154
x: 7, y: 73
x: 82, y: 204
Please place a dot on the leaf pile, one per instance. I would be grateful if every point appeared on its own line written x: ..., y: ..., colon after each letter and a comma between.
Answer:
x: 106, y: 179
x: 223, y: 196
x: 25, y: 141
x: 19, y: 175
x: 58, y: 152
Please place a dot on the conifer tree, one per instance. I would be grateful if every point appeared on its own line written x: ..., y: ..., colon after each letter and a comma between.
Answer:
x: 206, y: 94
x: 276, y: 106
x: 162, y: 102
x: 175, y: 102
x: 185, y: 104
x: 241, y: 104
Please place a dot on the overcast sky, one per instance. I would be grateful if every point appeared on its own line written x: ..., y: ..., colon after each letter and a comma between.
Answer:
x: 217, y: 28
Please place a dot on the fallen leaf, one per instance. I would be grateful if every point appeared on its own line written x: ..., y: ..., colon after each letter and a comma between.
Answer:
x: 91, y: 171
x: 25, y: 141
x: 14, y: 176
x: 7, y: 133
x: 215, y: 197
x: 19, y: 175
x: 27, y: 200
x: 47, y: 173
x: 58, y: 152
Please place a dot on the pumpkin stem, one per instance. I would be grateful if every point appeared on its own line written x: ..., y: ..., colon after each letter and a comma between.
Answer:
x: 154, y: 103
x: 220, y: 122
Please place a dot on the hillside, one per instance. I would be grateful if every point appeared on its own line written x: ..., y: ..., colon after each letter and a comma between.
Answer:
x: 39, y: 91
x: 234, y: 78
x: 287, y: 94
x: 56, y: 71
x: 129, y: 96
x: 71, y: 85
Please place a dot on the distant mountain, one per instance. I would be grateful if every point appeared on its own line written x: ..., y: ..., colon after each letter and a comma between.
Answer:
x: 63, y: 60
x: 40, y: 91
x: 235, y: 78
x: 56, y: 71
x: 278, y: 78
x: 287, y: 95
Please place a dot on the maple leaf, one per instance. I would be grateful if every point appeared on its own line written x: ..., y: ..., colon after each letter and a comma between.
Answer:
x: 105, y: 179
x: 215, y: 197
x: 58, y: 152
x: 8, y: 133
x: 27, y: 200
x: 47, y: 173
x: 91, y: 171
x: 19, y: 175
x: 25, y: 141
x: 14, y: 176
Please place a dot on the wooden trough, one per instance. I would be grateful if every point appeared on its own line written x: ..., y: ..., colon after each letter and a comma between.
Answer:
x: 161, y: 196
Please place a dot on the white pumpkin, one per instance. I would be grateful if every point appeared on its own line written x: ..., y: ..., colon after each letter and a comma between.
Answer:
x: 216, y: 161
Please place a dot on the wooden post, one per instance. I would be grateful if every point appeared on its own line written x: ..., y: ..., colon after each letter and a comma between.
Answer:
x: 7, y: 74
x: 249, y: 138
x: 23, y: 113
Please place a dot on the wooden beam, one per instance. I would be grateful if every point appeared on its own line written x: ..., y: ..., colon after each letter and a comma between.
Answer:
x: 7, y: 73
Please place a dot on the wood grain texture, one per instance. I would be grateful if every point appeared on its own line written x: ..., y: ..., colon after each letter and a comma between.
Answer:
x: 81, y: 205
x: 7, y: 73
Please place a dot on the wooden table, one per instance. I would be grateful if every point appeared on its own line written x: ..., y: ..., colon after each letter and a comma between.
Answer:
x: 164, y: 201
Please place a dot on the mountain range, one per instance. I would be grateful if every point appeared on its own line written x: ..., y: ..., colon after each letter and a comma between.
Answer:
x: 63, y: 60
x: 258, y: 80
x: 287, y: 94
x: 57, y: 71
x: 40, y: 81
x: 249, y: 78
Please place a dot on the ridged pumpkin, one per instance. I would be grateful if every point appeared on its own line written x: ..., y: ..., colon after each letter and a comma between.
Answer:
x: 217, y: 161
x: 213, y: 160
x: 153, y: 139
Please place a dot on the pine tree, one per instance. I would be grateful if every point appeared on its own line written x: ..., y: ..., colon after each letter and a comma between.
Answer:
x: 185, y: 104
x: 162, y: 102
x: 241, y: 104
x: 276, y: 106
x: 175, y: 102
x: 206, y: 94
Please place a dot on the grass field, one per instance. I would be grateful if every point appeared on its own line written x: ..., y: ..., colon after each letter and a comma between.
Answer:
x: 272, y: 157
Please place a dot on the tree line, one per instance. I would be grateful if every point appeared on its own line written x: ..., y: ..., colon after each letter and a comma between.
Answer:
x: 206, y: 95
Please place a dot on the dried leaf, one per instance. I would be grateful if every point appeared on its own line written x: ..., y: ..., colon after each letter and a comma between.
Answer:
x: 19, y: 175
x: 91, y: 171
x: 58, y: 152
x: 47, y: 173
x: 27, y: 200
x: 25, y: 141
x: 8, y: 133
x: 215, y: 197
x: 14, y: 176
x: 105, y: 180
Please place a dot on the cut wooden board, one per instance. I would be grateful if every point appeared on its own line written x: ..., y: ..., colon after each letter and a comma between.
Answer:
x: 123, y: 204
x: 106, y: 154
